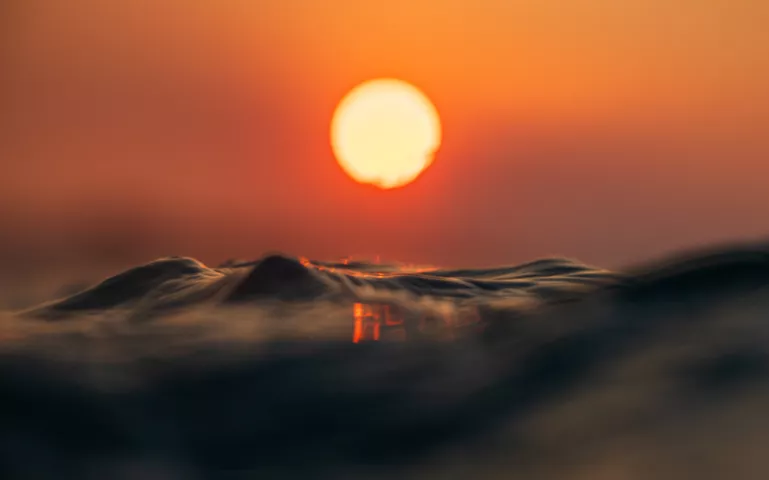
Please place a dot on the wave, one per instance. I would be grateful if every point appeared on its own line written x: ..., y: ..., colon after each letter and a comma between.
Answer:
x: 179, y: 282
x: 180, y: 370
x: 187, y: 282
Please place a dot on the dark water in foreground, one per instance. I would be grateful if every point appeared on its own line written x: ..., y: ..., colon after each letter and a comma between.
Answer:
x: 551, y: 369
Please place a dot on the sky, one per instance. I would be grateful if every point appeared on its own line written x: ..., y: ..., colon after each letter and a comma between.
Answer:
x: 609, y: 131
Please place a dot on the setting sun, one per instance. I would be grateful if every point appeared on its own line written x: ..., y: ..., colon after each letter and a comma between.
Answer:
x: 385, y: 132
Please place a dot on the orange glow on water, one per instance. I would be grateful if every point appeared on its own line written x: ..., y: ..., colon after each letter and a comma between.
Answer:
x: 373, y: 321
x: 401, y: 268
x: 368, y: 320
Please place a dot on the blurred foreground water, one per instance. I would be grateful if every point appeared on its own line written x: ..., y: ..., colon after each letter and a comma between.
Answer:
x: 290, y: 368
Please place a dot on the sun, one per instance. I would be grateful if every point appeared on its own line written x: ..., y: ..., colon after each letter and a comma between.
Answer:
x: 385, y: 132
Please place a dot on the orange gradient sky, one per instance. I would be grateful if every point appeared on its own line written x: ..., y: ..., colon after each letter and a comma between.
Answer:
x: 608, y: 131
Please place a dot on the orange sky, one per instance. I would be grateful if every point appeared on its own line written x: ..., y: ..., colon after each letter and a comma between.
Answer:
x: 609, y: 131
